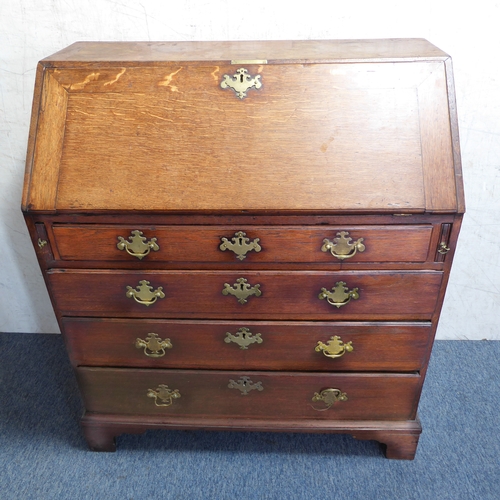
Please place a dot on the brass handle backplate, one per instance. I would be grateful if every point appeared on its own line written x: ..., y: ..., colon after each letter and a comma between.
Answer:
x: 137, y: 246
x: 240, y: 245
x: 144, y: 294
x: 334, y: 348
x: 329, y: 397
x: 241, y: 290
x: 163, y: 396
x: 342, y: 246
x: 340, y: 295
x: 154, y: 346
x: 243, y: 337
x: 241, y: 82
x: 245, y: 385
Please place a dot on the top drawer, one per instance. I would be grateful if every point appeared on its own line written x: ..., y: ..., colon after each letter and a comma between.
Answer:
x: 254, y: 244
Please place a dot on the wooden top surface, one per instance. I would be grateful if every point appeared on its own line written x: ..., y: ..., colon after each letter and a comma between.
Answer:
x: 275, y: 51
x: 148, y: 127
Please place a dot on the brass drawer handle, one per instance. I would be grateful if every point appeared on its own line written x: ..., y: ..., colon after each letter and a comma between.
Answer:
x: 144, y: 294
x: 243, y: 337
x: 334, y: 348
x: 164, y: 394
x: 245, y: 385
x: 241, y: 82
x: 443, y: 249
x: 137, y: 246
x: 154, y: 346
x: 340, y: 294
x: 240, y: 245
x: 341, y: 247
x: 329, y: 397
x: 241, y: 290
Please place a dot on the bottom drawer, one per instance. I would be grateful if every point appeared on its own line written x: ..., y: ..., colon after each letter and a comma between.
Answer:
x: 250, y: 394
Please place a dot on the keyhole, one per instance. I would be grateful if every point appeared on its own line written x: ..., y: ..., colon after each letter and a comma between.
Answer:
x: 241, y: 78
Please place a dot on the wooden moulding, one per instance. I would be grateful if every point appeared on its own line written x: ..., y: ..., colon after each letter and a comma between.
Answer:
x: 399, y: 439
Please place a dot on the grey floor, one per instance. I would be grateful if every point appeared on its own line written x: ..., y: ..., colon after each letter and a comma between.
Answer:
x: 44, y: 456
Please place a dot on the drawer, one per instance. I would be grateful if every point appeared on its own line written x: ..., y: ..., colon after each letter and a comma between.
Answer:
x: 382, y: 295
x: 249, y: 394
x: 278, y: 244
x: 225, y: 345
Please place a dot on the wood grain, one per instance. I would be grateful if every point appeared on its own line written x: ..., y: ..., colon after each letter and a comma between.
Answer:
x: 276, y: 51
x: 44, y: 175
x: 288, y: 346
x: 384, y: 295
x: 312, y: 136
x: 352, y: 135
x: 284, y: 395
x: 279, y: 244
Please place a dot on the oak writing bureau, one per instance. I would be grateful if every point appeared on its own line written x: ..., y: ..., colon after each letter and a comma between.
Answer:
x: 247, y: 235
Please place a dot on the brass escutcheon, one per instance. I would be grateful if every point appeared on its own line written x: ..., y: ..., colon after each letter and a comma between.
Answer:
x: 144, y: 294
x: 334, y: 348
x: 241, y: 82
x: 164, y: 394
x: 242, y: 290
x: 41, y: 243
x: 240, y: 245
x: 245, y: 385
x: 341, y: 247
x: 340, y: 294
x: 329, y: 397
x: 137, y: 246
x: 153, y: 346
x: 243, y: 337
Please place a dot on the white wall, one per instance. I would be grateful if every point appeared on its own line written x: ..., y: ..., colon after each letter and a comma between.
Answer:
x: 31, y: 30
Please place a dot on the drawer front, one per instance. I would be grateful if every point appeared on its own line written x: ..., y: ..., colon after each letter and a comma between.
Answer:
x: 250, y: 345
x: 376, y: 295
x: 249, y: 394
x: 258, y: 244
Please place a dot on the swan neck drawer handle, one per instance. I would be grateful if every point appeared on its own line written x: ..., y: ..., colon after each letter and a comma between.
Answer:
x: 163, y: 396
x: 144, y: 294
x: 342, y: 246
x: 329, y: 397
x: 340, y: 295
x: 137, y: 244
x: 154, y: 346
x: 334, y: 348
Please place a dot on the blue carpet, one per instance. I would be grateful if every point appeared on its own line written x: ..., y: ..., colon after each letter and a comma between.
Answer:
x: 43, y: 454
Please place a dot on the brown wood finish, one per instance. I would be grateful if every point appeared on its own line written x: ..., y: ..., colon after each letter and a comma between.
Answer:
x: 288, y: 346
x: 383, y: 295
x: 283, y: 395
x: 94, y: 54
x: 279, y: 243
x: 305, y: 148
x: 399, y: 439
x: 357, y: 135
